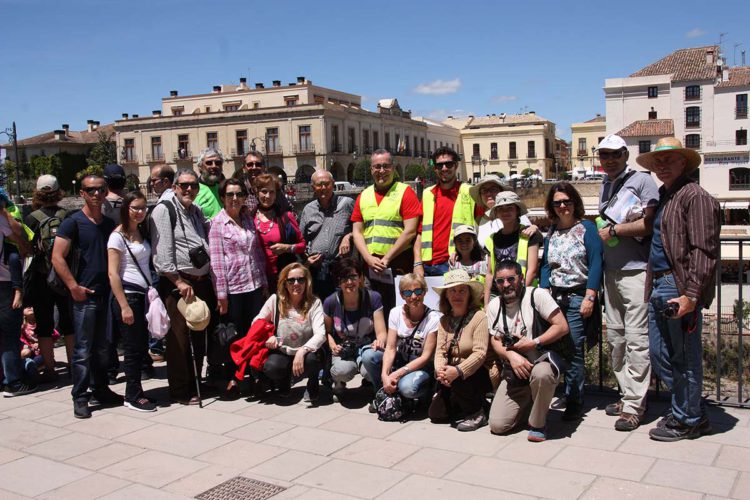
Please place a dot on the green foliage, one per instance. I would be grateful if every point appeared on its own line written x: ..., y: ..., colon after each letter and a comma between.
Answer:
x: 70, y: 165
x: 103, y: 153
x: 527, y: 172
x: 93, y: 169
x: 413, y: 171
x: 41, y: 165
x: 361, y: 171
x: 499, y: 174
x: 745, y: 310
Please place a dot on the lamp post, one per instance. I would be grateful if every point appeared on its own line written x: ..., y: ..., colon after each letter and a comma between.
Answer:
x: 593, y: 159
x: 13, y: 136
x: 484, y: 166
x: 74, y: 188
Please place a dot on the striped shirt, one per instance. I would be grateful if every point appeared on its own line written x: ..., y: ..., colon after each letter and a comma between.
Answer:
x: 690, y: 227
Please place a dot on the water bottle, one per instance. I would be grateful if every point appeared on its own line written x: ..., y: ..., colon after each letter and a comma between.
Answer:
x: 612, y: 241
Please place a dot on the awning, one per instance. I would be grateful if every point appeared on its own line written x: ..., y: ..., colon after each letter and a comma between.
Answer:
x: 734, y: 205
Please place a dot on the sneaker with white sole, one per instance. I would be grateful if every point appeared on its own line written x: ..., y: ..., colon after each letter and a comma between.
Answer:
x: 22, y: 389
x: 473, y: 422
x: 141, y: 404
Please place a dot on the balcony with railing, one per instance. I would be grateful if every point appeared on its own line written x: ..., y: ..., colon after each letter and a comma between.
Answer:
x: 182, y: 155
x: 129, y: 158
x: 274, y: 150
x: 336, y: 148
x: 740, y: 112
x: 306, y: 148
x: 155, y: 157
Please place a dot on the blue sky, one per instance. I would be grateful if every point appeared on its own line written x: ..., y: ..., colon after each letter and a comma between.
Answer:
x: 66, y: 62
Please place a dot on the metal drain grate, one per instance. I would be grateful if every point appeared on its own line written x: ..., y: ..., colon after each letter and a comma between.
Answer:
x: 241, y: 488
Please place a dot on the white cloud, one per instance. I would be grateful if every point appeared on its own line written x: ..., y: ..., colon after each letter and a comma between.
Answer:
x: 503, y: 98
x: 439, y: 87
x: 695, y: 33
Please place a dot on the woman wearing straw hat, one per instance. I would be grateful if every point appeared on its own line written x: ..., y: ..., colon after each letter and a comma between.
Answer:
x: 460, y: 354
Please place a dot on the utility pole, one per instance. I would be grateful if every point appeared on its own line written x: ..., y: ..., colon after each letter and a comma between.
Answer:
x: 18, y: 164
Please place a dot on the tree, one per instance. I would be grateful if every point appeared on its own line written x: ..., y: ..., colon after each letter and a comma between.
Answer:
x: 361, y: 171
x: 93, y: 169
x: 103, y: 153
x: 413, y: 171
x: 527, y: 172
x: 41, y: 165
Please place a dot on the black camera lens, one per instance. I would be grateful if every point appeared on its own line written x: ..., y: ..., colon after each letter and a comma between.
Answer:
x: 671, y: 310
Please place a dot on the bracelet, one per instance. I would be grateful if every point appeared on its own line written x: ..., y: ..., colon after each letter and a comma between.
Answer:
x: 416, y: 264
x: 406, y: 369
x: 612, y: 231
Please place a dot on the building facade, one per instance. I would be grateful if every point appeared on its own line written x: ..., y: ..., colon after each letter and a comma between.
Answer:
x: 693, y: 95
x: 62, y: 140
x: 584, y: 138
x: 299, y: 127
x: 507, y: 144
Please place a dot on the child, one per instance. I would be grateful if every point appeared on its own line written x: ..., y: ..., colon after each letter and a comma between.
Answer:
x: 30, y: 353
x: 469, y: 255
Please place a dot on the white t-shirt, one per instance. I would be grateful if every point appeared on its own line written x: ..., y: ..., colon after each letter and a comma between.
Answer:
x: 521, y: 325
x: 489, y: 227
x: 410, y: 347
x: 4, y: 232
x: 128, y: 270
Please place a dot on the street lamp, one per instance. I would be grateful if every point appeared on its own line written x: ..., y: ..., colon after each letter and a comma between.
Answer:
x: 484, y: 166
x: 13, y: 137
x: 74, y: 188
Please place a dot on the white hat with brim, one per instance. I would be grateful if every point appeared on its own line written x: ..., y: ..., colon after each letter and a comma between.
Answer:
x: 670, y: 145
x: 506, y: 198
x: 613, y: 142
x: 457, y: 277
x: 196, y: 313
x: 474, y: 191
x: 464, y: 229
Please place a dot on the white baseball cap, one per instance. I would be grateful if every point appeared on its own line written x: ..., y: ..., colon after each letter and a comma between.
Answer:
x: 613, y: 142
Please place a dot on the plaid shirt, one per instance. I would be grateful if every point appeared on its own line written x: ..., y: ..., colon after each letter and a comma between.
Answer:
x: 237, y: 258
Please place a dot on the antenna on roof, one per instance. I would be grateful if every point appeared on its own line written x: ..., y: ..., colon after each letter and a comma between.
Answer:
x: 734, y: 53
x: 721, y: 40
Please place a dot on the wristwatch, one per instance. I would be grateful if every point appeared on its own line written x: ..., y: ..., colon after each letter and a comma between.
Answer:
x: 612, y: 231
x: 537, y: 343
x: 591, y: 298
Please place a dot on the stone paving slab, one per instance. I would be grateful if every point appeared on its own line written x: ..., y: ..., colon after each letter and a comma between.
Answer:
x: 331, y: 452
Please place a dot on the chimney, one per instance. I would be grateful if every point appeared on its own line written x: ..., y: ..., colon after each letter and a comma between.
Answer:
x: 135, y: 116
x: 710, y: 56
x: 66, y: 128
x: 156, y: 113
x: 450, y: 117
x: 292, y: 84
x: 124, y: 116
x: 301, y: 79
x: 90, y: 125
x: 532, y: 112
x: 277, y: 83
x: 59, y: 134
x: 172, y: 93
x: 259, y: 86
x: 243, y: 84
x: 217, y: 89
x: 96, y: 125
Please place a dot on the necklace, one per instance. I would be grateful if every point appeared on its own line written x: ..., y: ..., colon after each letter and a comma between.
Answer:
x: 259, y: 222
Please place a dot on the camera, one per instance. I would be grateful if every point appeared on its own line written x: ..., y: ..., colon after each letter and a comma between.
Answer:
x: 671, y: 310
x: 349, y: 350
x: 198, y: 257
x: 508, y: 340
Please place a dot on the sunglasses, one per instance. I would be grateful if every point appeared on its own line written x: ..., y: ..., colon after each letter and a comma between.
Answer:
x: 509, y: 279
x: 382, y: 166
x: 211, y: 163
x: 256, y: 164
x: 295, y: 281
x: 351, y: 277
x: 94, y: 190
x: 445, y: 164
x: 188, y: 185
x: 417, y: 291
x: 562, y: 203
x: 235, y: 194
x: 607, y: 155
x: 137, y: 209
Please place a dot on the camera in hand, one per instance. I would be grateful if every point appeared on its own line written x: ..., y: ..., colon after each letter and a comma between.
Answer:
x: 671, y: 310
x: 508, y: 340
x: 198, y: 257
x: 348, y: 351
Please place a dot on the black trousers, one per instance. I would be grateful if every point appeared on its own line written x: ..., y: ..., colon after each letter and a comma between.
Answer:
x: 135, y: 343
x: 462, y: 399
x: 278, y: 368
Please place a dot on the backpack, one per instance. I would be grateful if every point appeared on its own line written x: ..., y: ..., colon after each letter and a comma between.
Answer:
x: 390, y: 407
x: 45, y: 238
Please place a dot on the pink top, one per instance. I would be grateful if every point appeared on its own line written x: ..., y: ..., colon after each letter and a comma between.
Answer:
x: 269, y: 234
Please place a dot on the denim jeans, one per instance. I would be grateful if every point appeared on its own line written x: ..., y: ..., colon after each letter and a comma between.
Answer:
x: 416, y: 385
x: 134, y: 341
x: 677, y: 351
x: 91, y: 350
x: 372, y: 360
x: 10, y: 337
x: 436, y: 270
x: 574, y: 375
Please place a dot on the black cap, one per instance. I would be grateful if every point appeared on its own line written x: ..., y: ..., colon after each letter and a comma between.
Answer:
x: 113, y: 171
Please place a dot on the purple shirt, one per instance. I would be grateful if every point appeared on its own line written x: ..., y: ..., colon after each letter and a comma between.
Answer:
x: 237, y: 258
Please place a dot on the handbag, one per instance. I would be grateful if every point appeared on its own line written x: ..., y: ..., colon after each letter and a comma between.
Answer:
x: 563, y: 346
x: 226, y: 333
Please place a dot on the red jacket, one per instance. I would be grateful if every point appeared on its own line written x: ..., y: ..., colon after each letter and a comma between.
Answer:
x: 252, y: 347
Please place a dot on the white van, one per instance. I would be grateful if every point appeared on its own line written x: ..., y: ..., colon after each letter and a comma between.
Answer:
x: 344, y: 186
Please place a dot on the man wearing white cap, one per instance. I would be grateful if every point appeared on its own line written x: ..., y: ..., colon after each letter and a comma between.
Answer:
x: 681, y: 280
x: 627, y: 202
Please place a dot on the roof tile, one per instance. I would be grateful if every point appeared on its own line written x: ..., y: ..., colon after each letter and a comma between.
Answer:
x: 648, y: 128
x: 685, y: 64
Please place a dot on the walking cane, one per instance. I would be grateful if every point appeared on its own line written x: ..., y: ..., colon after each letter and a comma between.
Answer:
x: 195, y: 369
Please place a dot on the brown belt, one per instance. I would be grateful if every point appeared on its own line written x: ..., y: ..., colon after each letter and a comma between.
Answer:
x: 661, y: 274
x: 193, y: 277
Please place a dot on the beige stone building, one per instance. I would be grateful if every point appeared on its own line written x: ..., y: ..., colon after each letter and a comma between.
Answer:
x: 507, y: 144
x: 299, y: 127
x: 584, y: 138
x: 62, y: 140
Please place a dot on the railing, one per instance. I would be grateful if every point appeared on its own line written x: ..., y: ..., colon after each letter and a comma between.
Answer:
x: 740, y: 112
x: 274, y: 151
x: 738, y: 186
x: 693, y: 124
x: 239, y: 152
x: 154, y: 158
x: 129, y: 158
x: 692, y: 96
x: 302, y: 149
x: 336, y: 148
x: 182, y: 155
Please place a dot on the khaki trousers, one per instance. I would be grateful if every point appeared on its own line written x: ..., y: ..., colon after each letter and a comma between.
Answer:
x: 626, y: 314
x: 514, y: 404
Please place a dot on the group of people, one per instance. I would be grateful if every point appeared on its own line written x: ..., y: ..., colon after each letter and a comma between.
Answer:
x: 316, y: 299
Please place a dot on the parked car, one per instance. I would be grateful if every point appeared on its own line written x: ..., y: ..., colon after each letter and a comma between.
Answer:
x: 344, y: 186
x: 594, y: 177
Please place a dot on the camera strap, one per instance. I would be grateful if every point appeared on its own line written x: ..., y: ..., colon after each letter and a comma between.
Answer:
x: 135, y: 261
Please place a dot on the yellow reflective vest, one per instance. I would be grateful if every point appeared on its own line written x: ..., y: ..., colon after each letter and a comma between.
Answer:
x: 522, y: 256
x: 463, y: 214
x: 383, y: 223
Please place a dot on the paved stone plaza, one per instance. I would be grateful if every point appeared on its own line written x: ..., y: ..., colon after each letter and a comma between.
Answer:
x: 336, y: 452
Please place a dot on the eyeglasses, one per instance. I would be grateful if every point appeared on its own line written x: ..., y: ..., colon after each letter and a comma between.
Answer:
x: 562, y: 203
x: 137, y: 209
x: 382, y: 166
x: 155, y: 181
x: 607, y: 155
x: 235, y: 194
x: 351, y: 277
x: 211, y: 163
x: 295, y: 281
x: 255, y: 164
x: 417, y: 291
x: 445, y: 164
x: 188, y: 185
x: 94, y: 190
x: 509, y: 279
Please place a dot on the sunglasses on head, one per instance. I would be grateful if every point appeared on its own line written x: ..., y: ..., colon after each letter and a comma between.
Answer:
x: 606, y: 155
x: 417, y: 291
x: 445, y: 164
x: 211, y: 163
x: 509, y: 279
x: 93, y: 190
x: 298, y: 281
x: 562, y: 203
x: 255, y: 164
x: 188, y: 185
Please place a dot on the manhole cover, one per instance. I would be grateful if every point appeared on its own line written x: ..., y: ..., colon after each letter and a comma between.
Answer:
x: 239, y: 488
